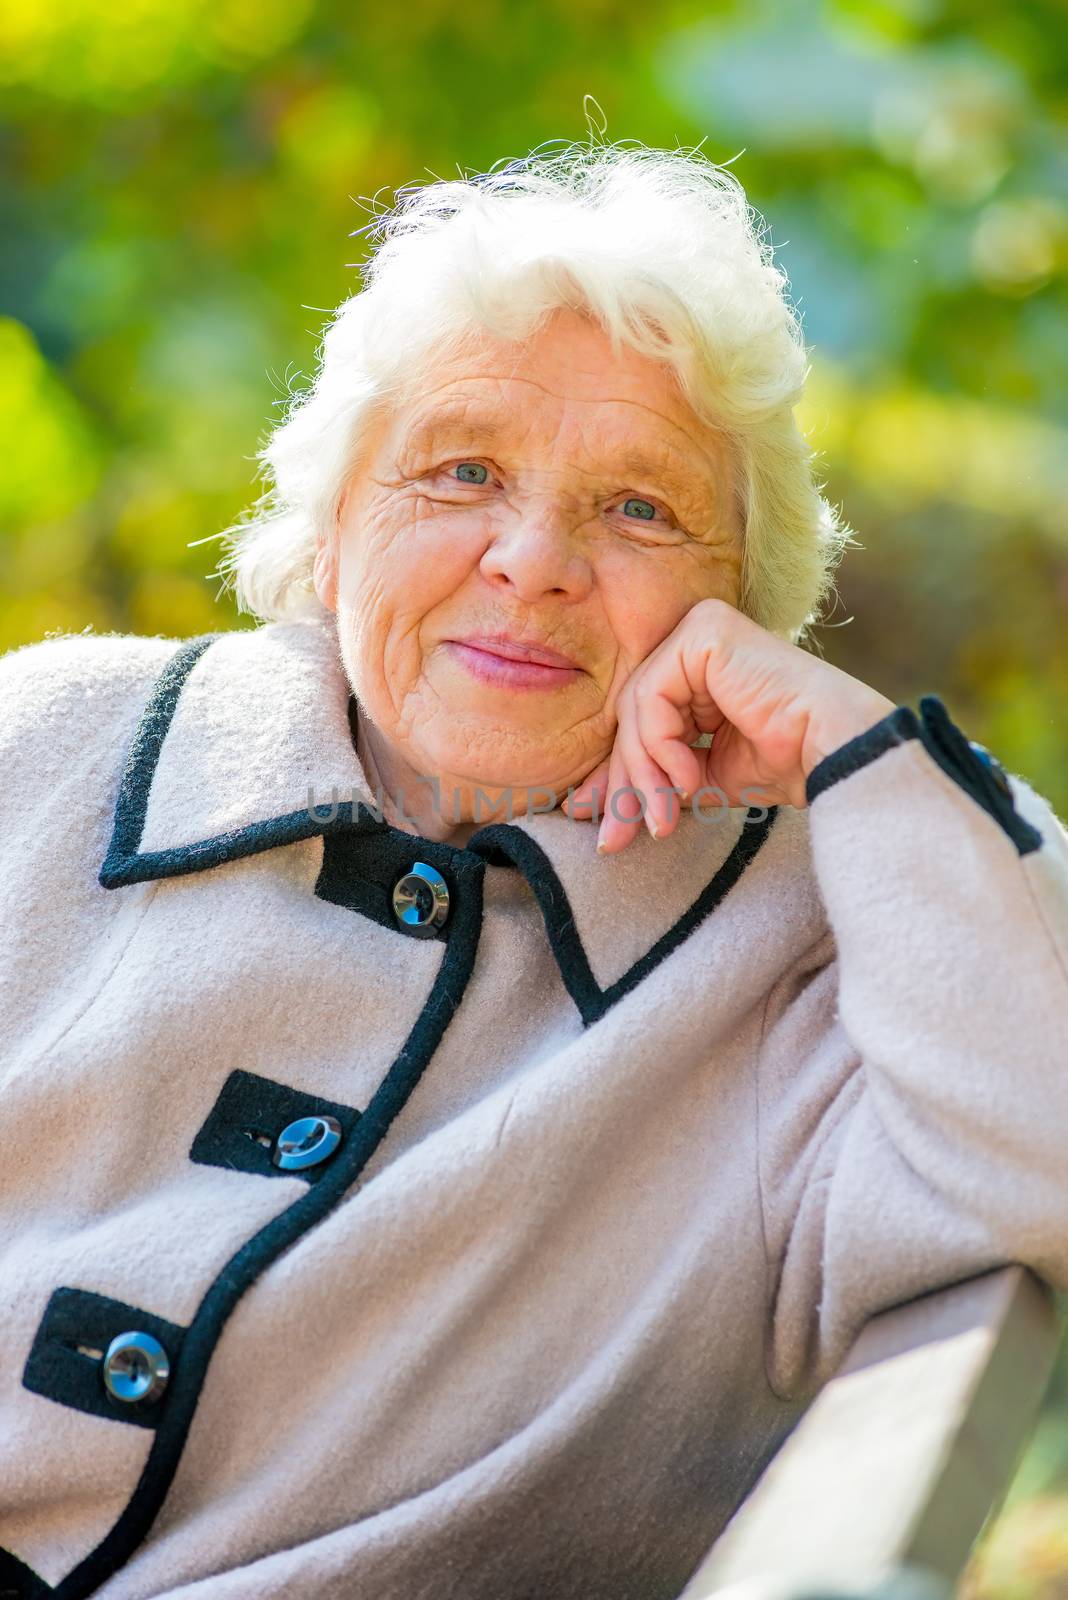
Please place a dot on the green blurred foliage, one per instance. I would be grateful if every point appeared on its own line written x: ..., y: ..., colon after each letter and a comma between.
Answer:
x: 180, y: 180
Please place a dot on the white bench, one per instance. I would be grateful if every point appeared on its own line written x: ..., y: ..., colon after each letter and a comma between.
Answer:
x: 891, y: 1474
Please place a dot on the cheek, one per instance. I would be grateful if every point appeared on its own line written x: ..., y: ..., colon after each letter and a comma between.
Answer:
x: 408, y: 546
x: 645, y: 596
x: 398, y: 563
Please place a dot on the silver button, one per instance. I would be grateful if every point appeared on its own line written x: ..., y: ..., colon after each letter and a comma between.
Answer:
x: 994, y: 767
x: 136, y: 1368
x: 306, y: 1142
x: 421, y: 900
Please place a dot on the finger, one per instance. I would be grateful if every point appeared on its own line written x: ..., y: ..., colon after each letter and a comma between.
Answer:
x: 675, y: 708
x: 660, y: 805
x: 666, y: 731
x: 708, y: 794
x: 622, y: 816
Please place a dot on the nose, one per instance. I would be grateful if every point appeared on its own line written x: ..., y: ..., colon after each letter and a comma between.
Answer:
x: 538, y: 553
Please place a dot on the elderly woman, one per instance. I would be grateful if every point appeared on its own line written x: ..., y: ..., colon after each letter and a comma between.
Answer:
x: 477, y: 1046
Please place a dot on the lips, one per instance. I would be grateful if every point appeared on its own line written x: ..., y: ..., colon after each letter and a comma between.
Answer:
x: 523, y: 668
x: 515, y: 650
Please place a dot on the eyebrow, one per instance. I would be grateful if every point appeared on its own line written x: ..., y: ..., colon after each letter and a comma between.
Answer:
x: 470, y: 428
x: 456, y: 425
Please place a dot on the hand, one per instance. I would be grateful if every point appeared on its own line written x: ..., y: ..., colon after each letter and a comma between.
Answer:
x: 775, y: 711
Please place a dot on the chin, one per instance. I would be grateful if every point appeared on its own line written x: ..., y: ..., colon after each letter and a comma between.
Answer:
x: 480, y: 759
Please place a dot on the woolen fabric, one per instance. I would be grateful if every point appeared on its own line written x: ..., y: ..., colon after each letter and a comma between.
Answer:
x: 635, y: 1144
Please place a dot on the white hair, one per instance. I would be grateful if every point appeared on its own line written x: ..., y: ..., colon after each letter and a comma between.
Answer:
x: 662, y: 248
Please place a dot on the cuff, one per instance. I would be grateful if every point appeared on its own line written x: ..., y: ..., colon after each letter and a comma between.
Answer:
x: 970, y: 765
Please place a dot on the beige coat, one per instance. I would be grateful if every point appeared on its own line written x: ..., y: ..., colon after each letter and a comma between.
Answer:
x: 629, y: 1148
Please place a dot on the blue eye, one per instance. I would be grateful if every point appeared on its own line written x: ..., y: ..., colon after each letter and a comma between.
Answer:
x: 468, y: 467
x: 646, y: 515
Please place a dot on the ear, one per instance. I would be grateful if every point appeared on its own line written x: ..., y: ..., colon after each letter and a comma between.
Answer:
x: 324, y: 569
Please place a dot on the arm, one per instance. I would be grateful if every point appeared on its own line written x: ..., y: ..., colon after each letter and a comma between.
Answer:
x: 913, y: 1077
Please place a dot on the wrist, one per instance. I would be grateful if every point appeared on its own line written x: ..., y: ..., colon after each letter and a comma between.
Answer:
x: 843, y: 724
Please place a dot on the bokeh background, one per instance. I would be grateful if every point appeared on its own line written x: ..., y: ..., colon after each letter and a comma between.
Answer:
x: 180, y: 183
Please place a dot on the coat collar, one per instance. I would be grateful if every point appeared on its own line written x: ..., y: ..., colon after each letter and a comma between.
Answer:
x: 243, y: 729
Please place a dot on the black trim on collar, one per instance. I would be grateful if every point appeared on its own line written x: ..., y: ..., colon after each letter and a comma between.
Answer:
x: 20, y: 1582
x: 264, y: 1247
x: 75, y: 1322
x: 502, y: 839
x: 355, y: 837
x: 947, y: 746
x: 364, y: 855
x: 360, y: 843
x: 250, y: 1109
x: 125, y: 863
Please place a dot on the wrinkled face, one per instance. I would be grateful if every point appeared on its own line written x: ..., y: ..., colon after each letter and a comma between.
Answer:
x: 539, y: 490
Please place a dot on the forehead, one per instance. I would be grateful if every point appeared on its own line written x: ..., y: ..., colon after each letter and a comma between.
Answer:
x: 565, y: 383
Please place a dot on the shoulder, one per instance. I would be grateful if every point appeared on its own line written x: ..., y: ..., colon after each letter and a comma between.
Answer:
x: 39, y: 682
x: 66, y: 701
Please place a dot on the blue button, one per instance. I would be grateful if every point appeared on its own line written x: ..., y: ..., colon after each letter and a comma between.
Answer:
x: 136, y: 1368
x: 306, y: 1143
x: 421, y: 900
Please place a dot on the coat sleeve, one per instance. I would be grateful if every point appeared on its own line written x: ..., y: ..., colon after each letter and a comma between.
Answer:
x: 913, y: 1073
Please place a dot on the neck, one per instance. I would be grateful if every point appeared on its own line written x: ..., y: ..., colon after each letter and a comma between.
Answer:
x: 441, y: 807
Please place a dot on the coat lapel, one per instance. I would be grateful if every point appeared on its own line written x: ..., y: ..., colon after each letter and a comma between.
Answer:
x: 612, y: 919
x: 245, y: 745
x: 238, y: 728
